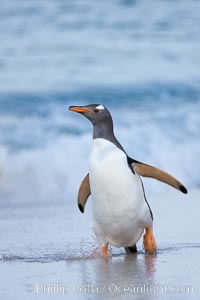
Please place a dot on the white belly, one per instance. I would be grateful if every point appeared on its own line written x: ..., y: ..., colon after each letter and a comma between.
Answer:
x: 120, y: 211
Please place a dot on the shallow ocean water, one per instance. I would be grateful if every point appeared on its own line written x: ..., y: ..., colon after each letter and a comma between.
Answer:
x: 50, y: 251
x: 140, y: 276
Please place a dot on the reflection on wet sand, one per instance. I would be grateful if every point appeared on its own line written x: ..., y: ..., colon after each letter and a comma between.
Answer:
x: 120, y: 275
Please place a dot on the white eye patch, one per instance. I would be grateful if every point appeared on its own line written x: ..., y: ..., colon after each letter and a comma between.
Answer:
x: 100, y: 107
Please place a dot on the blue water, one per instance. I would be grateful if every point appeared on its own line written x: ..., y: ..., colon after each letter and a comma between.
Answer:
x: 139, y: 58
x: 41, y: 141
x: 68, y: 45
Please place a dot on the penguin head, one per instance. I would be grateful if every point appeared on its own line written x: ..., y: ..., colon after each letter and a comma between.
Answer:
x: 96, y: 113
x: 101, y: 120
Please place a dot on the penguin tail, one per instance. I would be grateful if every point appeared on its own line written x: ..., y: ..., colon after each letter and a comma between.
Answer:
x: 131, y: 249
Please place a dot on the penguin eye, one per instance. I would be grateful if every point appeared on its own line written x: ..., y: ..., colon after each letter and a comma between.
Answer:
x: 99, y: 108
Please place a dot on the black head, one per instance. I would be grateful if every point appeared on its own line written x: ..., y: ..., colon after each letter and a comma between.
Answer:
x: 101, y: 119
x: 96, y: 113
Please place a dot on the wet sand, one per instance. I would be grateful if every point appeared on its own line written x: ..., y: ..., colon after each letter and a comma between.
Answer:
x: 48, y: 252
x: 172, y: 274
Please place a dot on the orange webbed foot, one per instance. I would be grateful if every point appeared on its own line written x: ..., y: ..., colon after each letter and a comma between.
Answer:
x: 149, y: 241
x: 104, y: 250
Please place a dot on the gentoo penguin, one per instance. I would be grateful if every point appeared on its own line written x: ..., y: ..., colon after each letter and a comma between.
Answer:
x: 121, y: 212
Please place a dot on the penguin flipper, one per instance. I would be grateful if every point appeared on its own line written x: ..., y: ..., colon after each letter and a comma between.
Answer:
x: 83, y: 193
x: 150, y: 171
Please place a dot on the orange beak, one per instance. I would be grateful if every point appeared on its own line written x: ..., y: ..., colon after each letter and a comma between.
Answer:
x: 79, y: 109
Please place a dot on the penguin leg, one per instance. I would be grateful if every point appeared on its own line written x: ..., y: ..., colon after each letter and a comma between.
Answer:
x: 131, y: 249
x: 149, y: 241
x: 104, y: 250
